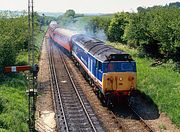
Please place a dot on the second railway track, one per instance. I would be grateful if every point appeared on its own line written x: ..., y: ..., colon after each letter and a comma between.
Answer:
x: 73, y: 111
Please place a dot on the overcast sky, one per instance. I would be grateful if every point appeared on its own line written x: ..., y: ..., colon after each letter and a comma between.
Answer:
x: 82, y: 6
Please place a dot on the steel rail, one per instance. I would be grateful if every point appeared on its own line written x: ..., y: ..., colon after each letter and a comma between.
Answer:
x: 51, y: 82
x: 57, y: 87
x: 75, y: 88
x: 142, y: 120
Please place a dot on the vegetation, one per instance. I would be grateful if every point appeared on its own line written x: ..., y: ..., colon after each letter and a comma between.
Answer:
x: 97, y: 25
x: 13, y: 104
x: 117, y: 27
x: 13, y: 51
x: 151, y: 32
x: 155, y: 31
x: 68, y: 19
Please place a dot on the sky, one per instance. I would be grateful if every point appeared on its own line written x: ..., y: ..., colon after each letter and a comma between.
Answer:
x: 81, y: 6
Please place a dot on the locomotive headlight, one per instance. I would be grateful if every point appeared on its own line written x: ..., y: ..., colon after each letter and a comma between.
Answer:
x: 120, y: 79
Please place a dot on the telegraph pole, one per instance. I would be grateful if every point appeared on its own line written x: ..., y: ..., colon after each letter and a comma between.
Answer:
x: 29, y: 31
x: 32, y: 92
x: 29, y: 61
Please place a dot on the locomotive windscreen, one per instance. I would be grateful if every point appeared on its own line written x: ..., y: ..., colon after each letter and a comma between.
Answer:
x: 119, y: 57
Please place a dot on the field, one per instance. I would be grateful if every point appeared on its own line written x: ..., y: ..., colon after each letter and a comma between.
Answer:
x: 160, y: 82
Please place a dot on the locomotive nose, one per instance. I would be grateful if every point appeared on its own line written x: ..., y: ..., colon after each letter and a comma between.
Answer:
x: 119, y: 81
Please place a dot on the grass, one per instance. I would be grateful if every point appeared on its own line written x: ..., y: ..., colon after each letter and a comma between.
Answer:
x: 13, y: 98
x: 161, y: 83
x: 13, y: 104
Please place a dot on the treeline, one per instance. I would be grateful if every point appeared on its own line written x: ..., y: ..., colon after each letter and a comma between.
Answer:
x: 68, y: 18
x: 14, y: 35
x: 155, y: 31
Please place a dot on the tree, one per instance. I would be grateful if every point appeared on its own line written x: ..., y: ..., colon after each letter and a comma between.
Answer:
x: 13, y: 36
x: 117, y: 26
x: 156, y: 31
x: 69, y: 13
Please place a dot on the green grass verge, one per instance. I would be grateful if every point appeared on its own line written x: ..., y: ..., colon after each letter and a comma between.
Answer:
x: 13, y: 104
x: 13, y: 98
x: 161, y: 83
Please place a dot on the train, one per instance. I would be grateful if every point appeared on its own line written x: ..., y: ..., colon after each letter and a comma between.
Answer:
x: 111, y: 72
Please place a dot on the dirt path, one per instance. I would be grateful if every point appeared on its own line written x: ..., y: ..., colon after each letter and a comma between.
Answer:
x: 44, y: 106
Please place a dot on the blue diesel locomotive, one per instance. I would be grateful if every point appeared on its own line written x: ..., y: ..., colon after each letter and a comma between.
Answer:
x: 113, y: 72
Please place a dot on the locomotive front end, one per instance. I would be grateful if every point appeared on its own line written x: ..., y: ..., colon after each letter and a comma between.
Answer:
x: 119, y: 83
x: 119, y: 77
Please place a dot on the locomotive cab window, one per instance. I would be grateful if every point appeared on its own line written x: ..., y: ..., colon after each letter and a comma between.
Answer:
x: 99, y: 65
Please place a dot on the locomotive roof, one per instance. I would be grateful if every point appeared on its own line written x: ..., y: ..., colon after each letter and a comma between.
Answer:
x: 65, y: 32
x: 96, y: 47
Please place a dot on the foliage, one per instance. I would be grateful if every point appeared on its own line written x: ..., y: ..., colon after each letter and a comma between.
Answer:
x: 155, y: 31
x: 67, y: 19
x: 13, y: 104
x: 97, y: 23
x: 7, y: 52
x: 69, y: 13
x: 117, y: 26
x: 13, y: 36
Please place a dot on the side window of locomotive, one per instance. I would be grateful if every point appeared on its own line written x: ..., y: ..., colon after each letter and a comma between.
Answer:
x: 100, y: 66
x: 97, y: 64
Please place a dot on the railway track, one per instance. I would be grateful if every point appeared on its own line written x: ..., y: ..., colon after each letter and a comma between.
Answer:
x: 142, y: 121
x: 73, y: 111
x: 135, y: 122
